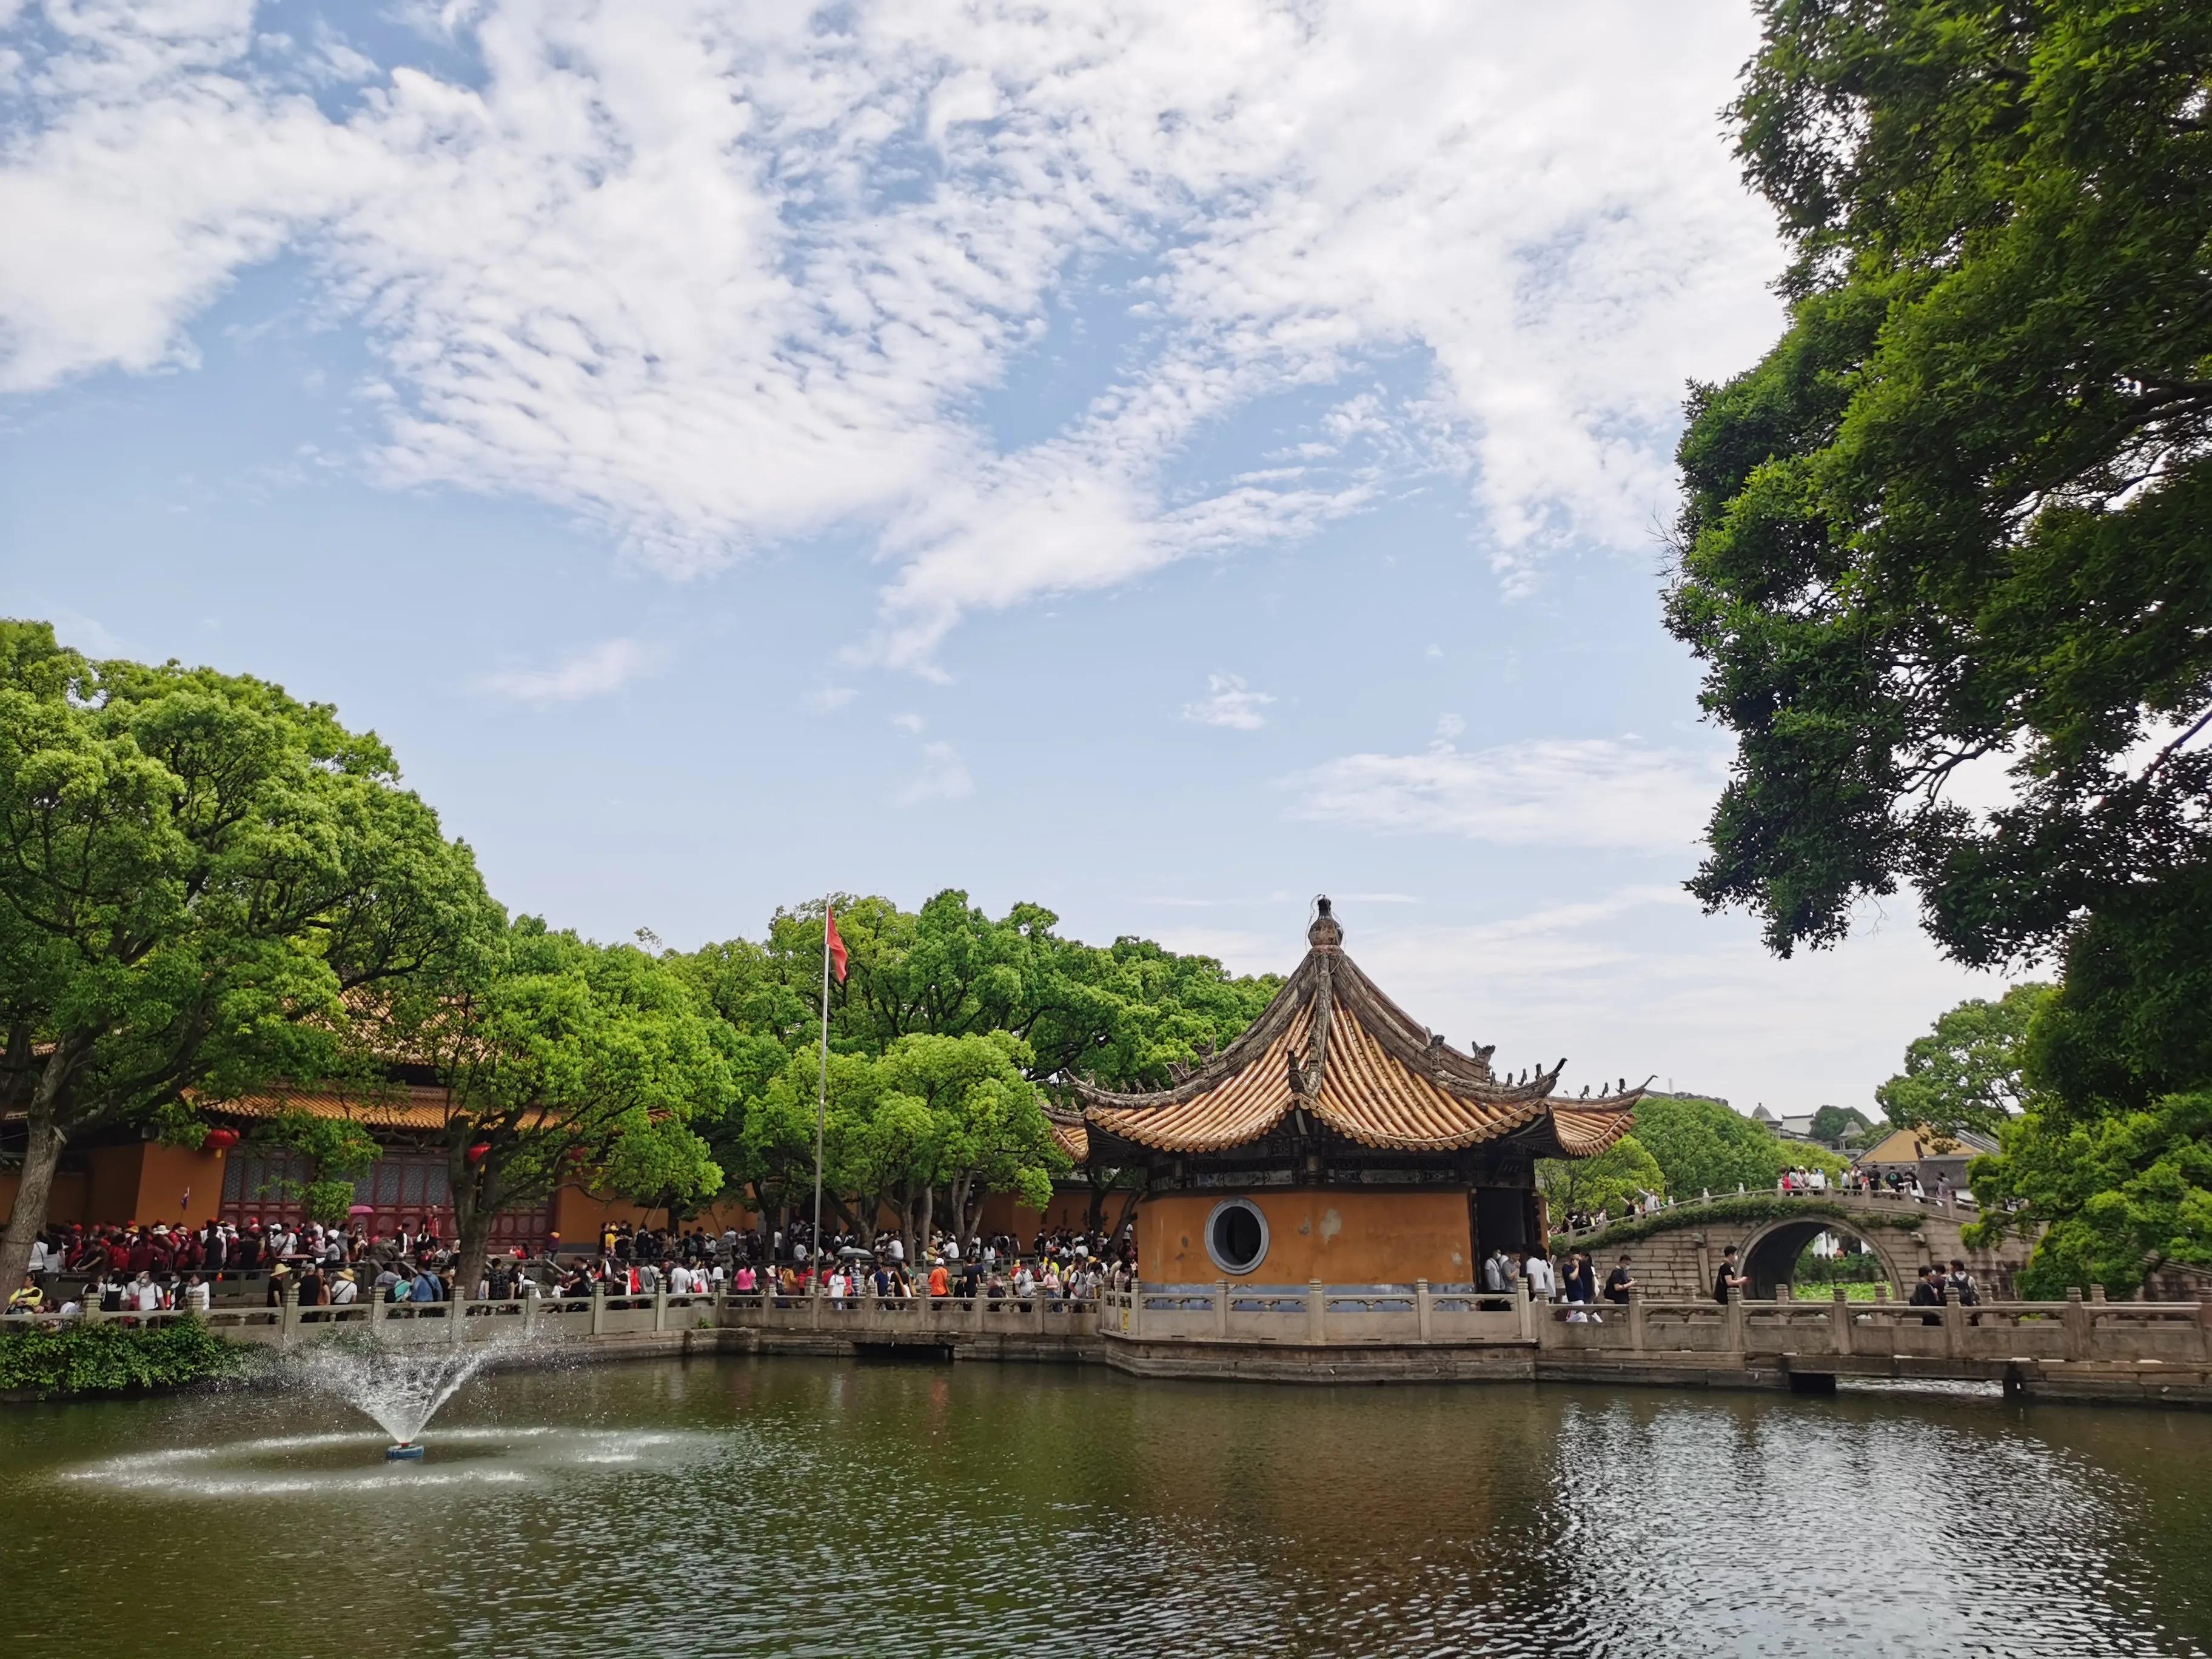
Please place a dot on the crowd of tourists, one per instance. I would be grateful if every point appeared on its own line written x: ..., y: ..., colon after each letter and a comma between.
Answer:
x: 1570, y: 1276
x: 155, y: 1268
x: 844, y: 1266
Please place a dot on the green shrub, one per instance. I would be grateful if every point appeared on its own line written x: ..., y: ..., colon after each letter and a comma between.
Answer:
x: 100, y: 1359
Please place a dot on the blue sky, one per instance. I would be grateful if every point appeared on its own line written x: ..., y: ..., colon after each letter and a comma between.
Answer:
x: 1160, y: 461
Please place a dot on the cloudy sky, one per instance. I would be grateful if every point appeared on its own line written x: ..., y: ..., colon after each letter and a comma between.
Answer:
x: 1161, y: 460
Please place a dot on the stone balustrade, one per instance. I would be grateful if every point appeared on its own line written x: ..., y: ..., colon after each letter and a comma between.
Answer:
x: 414, y: 1324
x: 2084, y: 1345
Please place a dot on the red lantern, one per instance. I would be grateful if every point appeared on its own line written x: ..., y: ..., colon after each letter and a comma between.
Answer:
x: 219, y: 1140
x: 478, y: 1153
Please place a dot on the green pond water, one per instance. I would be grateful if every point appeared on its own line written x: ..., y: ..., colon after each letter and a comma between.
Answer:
x: 780, y: 1506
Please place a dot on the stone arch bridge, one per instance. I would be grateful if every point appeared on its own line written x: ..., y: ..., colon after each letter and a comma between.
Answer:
x: 1677, y: 1250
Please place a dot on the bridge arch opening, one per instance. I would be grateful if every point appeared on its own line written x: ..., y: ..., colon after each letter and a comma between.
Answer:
x: 1771, y: 1258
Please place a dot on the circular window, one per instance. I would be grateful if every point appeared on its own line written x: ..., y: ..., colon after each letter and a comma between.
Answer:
x: 1237, y: 1235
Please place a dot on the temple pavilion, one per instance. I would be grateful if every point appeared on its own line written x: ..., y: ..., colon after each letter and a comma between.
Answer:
x: 1338, y: 1139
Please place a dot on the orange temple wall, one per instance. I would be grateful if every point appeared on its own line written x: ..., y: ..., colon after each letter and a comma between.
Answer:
x: 1380, y: 1235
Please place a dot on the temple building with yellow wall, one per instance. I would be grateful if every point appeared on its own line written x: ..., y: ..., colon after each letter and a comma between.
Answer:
x: 1340, y: 1140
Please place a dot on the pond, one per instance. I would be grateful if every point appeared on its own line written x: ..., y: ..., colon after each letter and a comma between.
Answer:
x: 776, y: 1505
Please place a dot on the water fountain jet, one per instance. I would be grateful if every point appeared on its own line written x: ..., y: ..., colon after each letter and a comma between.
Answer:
x: 400, y: 1387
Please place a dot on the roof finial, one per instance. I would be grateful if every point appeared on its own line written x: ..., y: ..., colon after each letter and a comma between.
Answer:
x: 1325, y: 934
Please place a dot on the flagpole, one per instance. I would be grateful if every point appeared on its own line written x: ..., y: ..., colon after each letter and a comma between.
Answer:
x: 821, y: 1103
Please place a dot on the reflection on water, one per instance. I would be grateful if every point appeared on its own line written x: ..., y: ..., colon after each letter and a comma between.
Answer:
x: 798, y: 1507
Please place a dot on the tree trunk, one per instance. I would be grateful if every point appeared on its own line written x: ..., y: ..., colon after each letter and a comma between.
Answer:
x: 474, y: 1211
x: 958, y: 1196
x: 971, y: 1212
x: 33, y: 1193
x: 919, y: 1247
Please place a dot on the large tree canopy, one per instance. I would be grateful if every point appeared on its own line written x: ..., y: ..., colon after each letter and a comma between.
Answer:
x: 1947, y: 554
x: 195, y: 871
x: 1120, y: 1015
x: 1970, y: 1072
x: 946, y: 1038
x: 562, y: 1060
x: 1962, y: 512
x: 1701, y: 1147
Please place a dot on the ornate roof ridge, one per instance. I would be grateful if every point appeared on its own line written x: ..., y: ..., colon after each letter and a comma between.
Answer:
x: 1341, y: 1050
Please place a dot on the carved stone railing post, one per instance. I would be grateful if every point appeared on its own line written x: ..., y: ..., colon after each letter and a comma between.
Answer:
x: 1423, y: 1317
x: 1954, y: 1325
x: 1317, y: 1311
x: 598, y: 1307
x: 455, y: 1311
x: 287, y: 1315
x: 1839, y: 1322
x: 1734, y: 1321
x: 2077, y: 1324
x: 529, y: 1315
x: 1221, y: 1308
x: 1524, y: 1307
x: 1636, y: 1319
x: 660, y: 1310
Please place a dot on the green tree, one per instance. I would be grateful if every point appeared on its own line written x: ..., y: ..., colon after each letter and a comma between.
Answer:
x: 196, y: 871
x: 1120, y: 1016
x: 1835, y: 1126
x: 1614, y: 1180
x: 1969, y: 1072
x: 2111, y: 1156
x: 1962, y: 512
x: 1959, y: 520
x: 1701, y: 1145
x: 2123, y: 1193
x: 560, y: 1058
x: 1124, y: 1016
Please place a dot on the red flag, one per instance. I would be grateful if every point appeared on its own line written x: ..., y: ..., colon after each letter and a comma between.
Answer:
x: 835, y: 943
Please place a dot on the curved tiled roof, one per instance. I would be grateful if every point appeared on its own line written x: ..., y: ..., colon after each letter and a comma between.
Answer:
x: 1584, y: 1130
x: 1248, y: 1101
x: 402, y: 1108
x: 1333, y: 1045
x: 1073, y: 1139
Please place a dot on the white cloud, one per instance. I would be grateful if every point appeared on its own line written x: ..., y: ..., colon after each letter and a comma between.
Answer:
x: 675, y: 267
x: 595, y: 673
x: 1229, y: 701
x: 1590, y: 792
x: 908, y: 722
x: 829, y: 699
x: 84, y: 633
x: 944, y: 776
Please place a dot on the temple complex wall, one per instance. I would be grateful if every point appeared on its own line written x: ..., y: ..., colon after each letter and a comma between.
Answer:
x: 578, y: 1216
x: 1340, y: 1235
x: 1069, y: 1211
